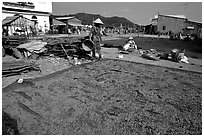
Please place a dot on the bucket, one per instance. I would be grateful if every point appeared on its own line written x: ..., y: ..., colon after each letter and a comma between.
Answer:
x: 87, y: 45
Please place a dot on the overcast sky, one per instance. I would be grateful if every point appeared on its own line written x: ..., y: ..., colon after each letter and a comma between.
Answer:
x: 137, y: 12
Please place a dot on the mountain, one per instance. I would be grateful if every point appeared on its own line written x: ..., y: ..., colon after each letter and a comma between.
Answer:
x: 87, y: 19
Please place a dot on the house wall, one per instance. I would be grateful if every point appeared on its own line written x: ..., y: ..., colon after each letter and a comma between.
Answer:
x: 43, y: 6
x: 166, y: 24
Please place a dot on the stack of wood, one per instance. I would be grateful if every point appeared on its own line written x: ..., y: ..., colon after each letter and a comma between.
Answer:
x: 65, y: 48
x: 18, y: 67
x: 13, y: 41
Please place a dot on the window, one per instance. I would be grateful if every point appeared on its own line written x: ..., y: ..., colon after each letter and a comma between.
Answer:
x: 164, y: 28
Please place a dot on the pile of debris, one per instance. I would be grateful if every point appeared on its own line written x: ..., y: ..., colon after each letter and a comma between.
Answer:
x: 68, y: 48
x: 61, y: 47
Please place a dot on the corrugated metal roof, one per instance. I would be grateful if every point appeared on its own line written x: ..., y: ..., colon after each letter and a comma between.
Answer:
x: 9, y: 19
x: 173, y: 16
x: 17, y: 21
x: 177, y: 16
x: 64, y: 18
x: 195, y: 21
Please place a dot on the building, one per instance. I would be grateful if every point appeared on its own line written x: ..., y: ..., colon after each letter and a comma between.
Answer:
x: 38, y: 12
x: 175, y: 23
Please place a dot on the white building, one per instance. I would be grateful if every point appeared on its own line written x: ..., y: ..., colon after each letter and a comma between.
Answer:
x: 175, y: 24
x: 35, y: 11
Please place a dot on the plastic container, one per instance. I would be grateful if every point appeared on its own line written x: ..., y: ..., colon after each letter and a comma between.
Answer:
x: 120, y: 56
x: 20, y: 80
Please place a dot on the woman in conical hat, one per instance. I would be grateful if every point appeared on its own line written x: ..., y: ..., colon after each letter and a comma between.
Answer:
x: 130, y: 44
x: 95, y: 36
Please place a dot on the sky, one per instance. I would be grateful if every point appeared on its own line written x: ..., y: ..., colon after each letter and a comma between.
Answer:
x: 137, y: 12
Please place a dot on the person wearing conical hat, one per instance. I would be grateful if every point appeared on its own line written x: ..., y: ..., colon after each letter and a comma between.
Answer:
x: 130, y: 44
x: 95, y: 36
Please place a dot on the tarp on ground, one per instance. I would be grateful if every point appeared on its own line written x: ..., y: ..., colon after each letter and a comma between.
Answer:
x: 34, y: 46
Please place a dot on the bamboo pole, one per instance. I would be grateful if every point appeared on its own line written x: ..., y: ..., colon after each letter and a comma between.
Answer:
x: 65, y: 51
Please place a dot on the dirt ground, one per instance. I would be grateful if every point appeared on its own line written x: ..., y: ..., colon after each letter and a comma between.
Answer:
x: 108, y: 97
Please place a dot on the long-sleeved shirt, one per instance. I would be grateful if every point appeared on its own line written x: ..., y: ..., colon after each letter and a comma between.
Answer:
x: 95, y: 34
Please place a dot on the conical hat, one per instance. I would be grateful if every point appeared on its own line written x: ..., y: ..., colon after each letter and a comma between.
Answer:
x: 98, y: 21
x: 130, y: 38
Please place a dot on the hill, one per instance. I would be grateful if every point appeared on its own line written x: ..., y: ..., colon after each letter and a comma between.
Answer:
x: 108, y: 21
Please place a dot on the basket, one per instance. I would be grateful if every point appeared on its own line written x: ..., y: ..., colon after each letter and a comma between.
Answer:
x: 88, y: 45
